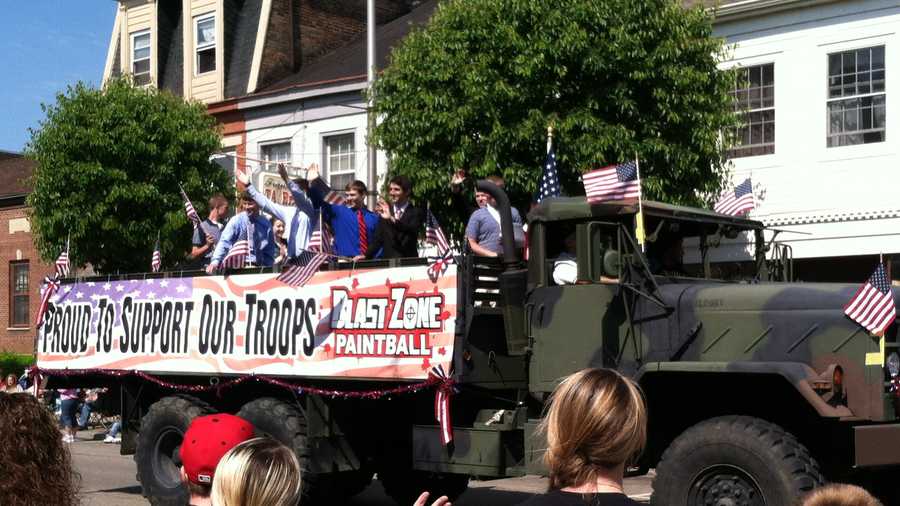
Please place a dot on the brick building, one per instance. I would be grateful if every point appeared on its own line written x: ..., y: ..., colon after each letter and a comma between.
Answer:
x: 21, y: 270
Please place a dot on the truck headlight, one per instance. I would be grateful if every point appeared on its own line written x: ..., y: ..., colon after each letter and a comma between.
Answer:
x: 893, y: 364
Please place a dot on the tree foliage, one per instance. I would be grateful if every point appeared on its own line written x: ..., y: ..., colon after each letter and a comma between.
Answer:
x: 109, y: 162
x: 478, y: 86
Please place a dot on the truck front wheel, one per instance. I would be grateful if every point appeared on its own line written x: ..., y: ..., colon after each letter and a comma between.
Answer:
x: 161, y: 433
x: 735, y: 460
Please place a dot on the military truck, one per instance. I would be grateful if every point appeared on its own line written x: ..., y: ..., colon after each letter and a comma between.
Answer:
x: 758, y: 389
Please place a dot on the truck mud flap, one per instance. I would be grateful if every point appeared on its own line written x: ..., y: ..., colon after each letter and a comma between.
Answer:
x: 476, y: 452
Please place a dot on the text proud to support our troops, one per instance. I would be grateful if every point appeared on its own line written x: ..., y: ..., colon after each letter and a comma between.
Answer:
x: 394, y: 324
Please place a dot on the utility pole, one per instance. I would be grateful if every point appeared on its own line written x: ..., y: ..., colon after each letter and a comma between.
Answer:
x: 371, y: 159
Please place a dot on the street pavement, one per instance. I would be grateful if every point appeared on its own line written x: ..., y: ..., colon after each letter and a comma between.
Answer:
x: 108, y: 479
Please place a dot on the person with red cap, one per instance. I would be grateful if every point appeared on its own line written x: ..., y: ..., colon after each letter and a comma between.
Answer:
x: 207, y: 439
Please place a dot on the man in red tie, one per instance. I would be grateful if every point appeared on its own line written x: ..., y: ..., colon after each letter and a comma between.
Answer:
x: 353, y: 225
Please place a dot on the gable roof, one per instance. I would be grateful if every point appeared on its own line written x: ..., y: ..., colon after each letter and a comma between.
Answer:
x: 15, y: 170
x: 348, y: 62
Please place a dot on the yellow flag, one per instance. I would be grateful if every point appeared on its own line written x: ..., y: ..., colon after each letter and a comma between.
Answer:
x: 639, y: 233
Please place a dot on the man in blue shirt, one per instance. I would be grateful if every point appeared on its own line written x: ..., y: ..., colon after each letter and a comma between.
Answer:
x: 247, y: 223
x: 300, y: 219
x: 483, y: 230
x: 353, y: 224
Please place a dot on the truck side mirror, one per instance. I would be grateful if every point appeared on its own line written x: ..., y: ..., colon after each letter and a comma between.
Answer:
x: 611, y: 262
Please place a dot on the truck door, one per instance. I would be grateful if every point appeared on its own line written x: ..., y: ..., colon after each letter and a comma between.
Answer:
x: 576, y: 325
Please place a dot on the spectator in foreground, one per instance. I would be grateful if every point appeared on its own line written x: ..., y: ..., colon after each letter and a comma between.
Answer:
x: 596, y: 425
x: 11, y: 386
x: 206, y: 441
x: 68, y: 406
x: 840, y: 494
x: 258, y: 472
x: 37, y: 468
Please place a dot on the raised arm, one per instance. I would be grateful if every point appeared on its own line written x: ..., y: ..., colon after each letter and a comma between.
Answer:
x: 277, y: 210
x: 301, y: 199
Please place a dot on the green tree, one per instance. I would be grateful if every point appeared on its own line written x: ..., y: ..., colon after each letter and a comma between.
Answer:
x: 478, y: 86
x: 109, y: 162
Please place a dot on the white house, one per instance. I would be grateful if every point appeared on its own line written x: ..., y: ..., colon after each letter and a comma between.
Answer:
x: 820, y: 138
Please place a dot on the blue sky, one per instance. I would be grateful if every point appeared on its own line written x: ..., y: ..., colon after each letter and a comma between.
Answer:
x: 46, y: 45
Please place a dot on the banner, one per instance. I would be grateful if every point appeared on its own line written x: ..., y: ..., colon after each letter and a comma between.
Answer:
x: 392, y: 323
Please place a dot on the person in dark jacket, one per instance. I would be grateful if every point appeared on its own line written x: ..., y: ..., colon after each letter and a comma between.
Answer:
x: 397, y: 233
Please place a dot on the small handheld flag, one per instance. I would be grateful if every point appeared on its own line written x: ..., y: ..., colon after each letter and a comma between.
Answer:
x: 434, y: 234
x: 62, y: 263
x: 238, y: 255
x: 156, y: 260
x: 738, y: 201
x: 189, y: 209
x: 613, y: 183
x: 320, y: 240
x: 873, y: 305
x: 299, y: 274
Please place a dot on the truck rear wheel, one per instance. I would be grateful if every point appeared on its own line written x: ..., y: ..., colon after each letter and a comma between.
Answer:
x: 284, y: 422
x: 161, y: 433
x: 734, y: 460
x: 405, y: 486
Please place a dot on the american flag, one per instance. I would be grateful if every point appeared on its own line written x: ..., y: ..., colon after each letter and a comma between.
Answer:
x: 62, y: 263
x: 612, y: 183
x: 434, y: 234
x: 307, y: 265
x: 549, y: 186
x: 52, y: 285
x: 738, y: 201
x: 238, y: 255
x: 189, y: 209
x: 330, y: 196
x: 156, y: 260
x: 873, y: 305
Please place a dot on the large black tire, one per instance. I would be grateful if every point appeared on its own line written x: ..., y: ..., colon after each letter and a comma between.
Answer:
x: 161, y: 433
x: 285, y: 423
x: 735, y: 461
x: 404, y: 486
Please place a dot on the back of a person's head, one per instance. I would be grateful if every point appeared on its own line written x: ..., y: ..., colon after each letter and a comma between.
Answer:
x: 258, y: 472
x: 36, y: 464
x: 839, y: 494
x: 596, y: 421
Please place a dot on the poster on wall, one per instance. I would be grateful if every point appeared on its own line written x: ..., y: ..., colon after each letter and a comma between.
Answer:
x: 392, y: 323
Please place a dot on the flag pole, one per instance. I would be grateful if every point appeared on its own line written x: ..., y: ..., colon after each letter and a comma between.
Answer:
x: 639, y: 232
x: 549, y: 137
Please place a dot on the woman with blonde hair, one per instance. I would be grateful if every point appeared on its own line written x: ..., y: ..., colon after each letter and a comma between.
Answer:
x: 840, y: 494
x: 257, y: 472
x: 596, y: 425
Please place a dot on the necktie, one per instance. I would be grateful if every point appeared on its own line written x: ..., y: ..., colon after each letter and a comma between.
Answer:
x: 398, y: 212
x: 363, y: 239
x: 251, y: 239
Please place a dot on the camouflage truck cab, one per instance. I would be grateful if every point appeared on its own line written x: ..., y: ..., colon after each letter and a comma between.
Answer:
x: 758, y: 390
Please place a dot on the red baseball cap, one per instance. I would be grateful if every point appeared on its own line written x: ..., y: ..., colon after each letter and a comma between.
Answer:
x: 207, y: 440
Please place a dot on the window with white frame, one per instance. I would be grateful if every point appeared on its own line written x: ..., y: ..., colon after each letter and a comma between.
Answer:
x: 205, y: 43
x: 340, y: 160
x: 140, y: 57
x: 754, y: 99
x: 279, y: 152
x: 856, y: 97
